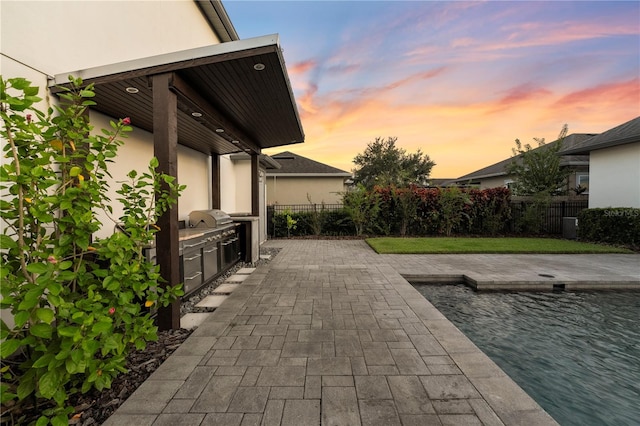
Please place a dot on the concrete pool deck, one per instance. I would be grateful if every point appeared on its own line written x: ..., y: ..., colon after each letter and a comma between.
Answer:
x: 331, y: 333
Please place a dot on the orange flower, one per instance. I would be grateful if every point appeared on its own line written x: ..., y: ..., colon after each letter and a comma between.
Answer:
x: 148, y: 303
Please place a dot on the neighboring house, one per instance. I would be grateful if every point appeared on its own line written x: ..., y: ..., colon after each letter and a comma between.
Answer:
x: 300, y: 179
x: 440, y: 182
x: 614, y: 165
x: 196, y: 94
x: 496, y: 175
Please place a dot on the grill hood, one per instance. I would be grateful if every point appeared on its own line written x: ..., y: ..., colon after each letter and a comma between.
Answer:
x: 208, y: 218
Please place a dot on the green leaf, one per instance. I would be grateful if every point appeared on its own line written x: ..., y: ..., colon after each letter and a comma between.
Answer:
x: 41, y: 330
x: 101, y: 327
x: 43, y: 361
x: 42, y: 421
x: 60, y: 420
x: 26, y: 386
x: 6, y: 242
x: 49, y: 383
x: 66, y: 264
x: 68, y: 331
x: 21, y: 318
x: 31, y: 299
x: 6, y: 395
x: 37, y: 268
x: 71, y: 366
x: 154, y: 163
x: 54, y: 288
x: 45, y: 315
x: 75, y: 171
x: 8, y: 347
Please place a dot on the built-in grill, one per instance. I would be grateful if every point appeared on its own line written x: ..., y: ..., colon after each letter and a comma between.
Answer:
x: 214, y: 218
x: 208, y: 247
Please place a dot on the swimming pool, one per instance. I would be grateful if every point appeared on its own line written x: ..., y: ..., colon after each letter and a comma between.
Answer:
x: 576, y: 353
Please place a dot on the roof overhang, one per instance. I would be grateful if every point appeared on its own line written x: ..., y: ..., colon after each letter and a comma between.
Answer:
x: 218, y: 19
x: 321, y: 175
x: 587, y: 148
x: 265, y: 161
x: 226, y: 102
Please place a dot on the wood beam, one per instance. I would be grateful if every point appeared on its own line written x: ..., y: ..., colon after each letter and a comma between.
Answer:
x: 165, y: 149
x: 255, y: 185
x: 215, y: 182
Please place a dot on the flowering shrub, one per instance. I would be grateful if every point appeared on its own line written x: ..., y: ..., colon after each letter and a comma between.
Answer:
x: 432, y: 211
x: 76, y: 301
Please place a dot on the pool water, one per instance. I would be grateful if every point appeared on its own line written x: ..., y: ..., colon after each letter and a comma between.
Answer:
x: 576, y: 353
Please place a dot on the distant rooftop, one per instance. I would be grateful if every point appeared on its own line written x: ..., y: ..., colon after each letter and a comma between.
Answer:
x: 296, y: 165
x: 500, y: 168
x: 625, y: 133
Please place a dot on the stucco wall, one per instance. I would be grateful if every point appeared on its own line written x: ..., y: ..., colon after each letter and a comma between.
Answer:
x: 228, y: 184
x: 294, y: 190
x: 64, y: 36
x: 135, y: 154
x: 242, y: 170
x: 614, y: 177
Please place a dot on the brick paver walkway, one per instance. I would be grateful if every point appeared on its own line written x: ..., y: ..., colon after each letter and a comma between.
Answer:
x: 329, y: 334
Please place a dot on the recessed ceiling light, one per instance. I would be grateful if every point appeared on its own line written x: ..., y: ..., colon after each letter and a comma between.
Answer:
x: 219, y: 130
x: 196, y: 114
x: 235, y: 142
x: 258, y: 67
x: 247, y: 150
x: 132, y: 90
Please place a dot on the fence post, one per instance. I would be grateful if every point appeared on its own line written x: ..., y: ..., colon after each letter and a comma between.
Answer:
x: 270, y: 225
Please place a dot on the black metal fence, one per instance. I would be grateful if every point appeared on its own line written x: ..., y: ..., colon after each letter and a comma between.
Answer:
x: 296, y: 208
x: 521, y: 211
x: 550, y: 217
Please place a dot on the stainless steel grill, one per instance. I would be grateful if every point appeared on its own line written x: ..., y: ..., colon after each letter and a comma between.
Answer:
x: 209, y: 246
x: 213, y: 218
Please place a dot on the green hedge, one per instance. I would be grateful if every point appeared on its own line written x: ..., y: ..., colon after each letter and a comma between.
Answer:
x: 323, y: 222
x: 407, y: 211
x: 610, y: 225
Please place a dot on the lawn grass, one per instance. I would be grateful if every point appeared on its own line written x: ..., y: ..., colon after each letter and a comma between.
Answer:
x: 441, y: 245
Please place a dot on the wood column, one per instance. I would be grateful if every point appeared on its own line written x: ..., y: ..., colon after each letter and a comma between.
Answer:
x: 165, y: 149
x: 215, y: 181
x: 255, y: 185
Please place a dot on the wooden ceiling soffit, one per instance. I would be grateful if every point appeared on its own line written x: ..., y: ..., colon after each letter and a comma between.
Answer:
x: 211, y: 118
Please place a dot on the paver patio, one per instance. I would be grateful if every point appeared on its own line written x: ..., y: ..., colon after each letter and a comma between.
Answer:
x: 330, y: 333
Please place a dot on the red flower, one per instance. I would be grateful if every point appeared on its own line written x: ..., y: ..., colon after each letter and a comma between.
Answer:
x: 28, y: 118
x: 52, y: 259
x: 126, y: 121
x: 112, y: 310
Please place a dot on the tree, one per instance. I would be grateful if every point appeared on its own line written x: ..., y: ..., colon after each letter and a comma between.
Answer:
x: 538, y: 170
x: 539, y: 175
x: 383, y: 163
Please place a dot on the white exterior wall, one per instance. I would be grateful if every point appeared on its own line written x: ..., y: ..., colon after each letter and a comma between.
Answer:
x: 228, y: 187
x: 63, y: 36
x: 614, y: 177
x: 242, y: 170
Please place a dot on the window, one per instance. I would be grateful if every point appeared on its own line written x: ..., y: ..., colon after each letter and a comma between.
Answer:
x: 582, y: 181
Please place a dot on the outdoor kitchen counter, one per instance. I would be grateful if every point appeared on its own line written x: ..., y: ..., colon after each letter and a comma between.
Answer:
x: 188, y: 233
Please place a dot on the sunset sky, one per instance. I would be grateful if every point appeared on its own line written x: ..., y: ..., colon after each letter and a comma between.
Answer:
x: 458, y: 80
